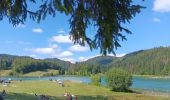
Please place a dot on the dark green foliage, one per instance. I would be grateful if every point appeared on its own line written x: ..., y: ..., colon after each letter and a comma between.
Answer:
x: 6, y: 61
x: 118, y: 80
x: 51, y: 74
x: 23, y: 64
x: 62, y: 72
x: 144, y: 62
x: 153, y: 62
x: 96, y: 79
x: 83, y: 69
x: 107, y: 16
x: 64, y: 64
x: 100, y: 60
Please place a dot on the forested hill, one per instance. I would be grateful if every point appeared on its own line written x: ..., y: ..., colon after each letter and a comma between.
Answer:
x: 100, y: 60
x: 154, y: 61
x: 7, y: 60
x: 63, y: 63
x: 25, y: 64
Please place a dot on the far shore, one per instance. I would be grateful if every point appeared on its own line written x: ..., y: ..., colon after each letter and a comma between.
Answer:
x: 151, y: 92
x: 154, y: 76
x: 6, y: 73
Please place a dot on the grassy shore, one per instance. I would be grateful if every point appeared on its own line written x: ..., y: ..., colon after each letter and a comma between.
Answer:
x: 42, y: 73
x: 154, y: 76
x: 5, y: 72
x: 48, y: 72
x: 25, y: 90
x: 52, y: 72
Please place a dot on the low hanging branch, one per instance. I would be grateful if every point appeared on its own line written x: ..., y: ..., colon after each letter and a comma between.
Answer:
x: 108, y: 16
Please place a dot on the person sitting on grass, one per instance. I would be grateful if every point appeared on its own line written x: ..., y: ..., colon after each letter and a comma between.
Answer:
x: 2, y: 95
x: 42, y: 97
x: 69, y: 96
x: 1, y: 98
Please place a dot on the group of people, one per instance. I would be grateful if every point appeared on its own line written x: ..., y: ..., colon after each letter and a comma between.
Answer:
x: 2, y: 95
x: 70, y: 97
x: 61, y: 83
x: 43, y: 97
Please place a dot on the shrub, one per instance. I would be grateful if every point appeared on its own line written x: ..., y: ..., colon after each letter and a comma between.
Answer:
x: 10, y: 73
x: 118, y: 80
x: 96, y: 80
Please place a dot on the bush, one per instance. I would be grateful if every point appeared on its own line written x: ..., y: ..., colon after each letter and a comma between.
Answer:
x: 118, y: 80
x: 10, y: 73
x: 96, y: 80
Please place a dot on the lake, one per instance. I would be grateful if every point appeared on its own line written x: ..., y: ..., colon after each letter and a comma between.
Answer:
x: 138, y: 82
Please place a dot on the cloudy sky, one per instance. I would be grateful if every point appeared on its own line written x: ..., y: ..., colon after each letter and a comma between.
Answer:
x: 50, y: 38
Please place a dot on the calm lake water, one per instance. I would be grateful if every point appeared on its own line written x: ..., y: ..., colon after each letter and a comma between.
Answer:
x: 138, y: 82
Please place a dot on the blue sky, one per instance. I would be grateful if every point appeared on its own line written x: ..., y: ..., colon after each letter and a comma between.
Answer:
x: 49, y: 39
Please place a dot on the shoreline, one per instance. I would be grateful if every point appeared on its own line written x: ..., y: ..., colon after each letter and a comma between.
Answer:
x: 153, y: 76
x: 142, y: 76
x: 151, y: 92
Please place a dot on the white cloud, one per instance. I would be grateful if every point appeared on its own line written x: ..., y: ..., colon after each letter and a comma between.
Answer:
x: 80, y: 59
x: 54, y: 46
x: 161, y: 6
x: 68, y: 59
x: 156, y: 20
x: 117, y: 55
x: 66, y: 54
x: 20, y: 26
x: 120, y: 55
x: 61, y: 39
x: 43, y: 50
x: 37, y: 30
x: 83, y: 59
x: 23, y: 42
x: 33, y: 56
x: 61, y: 31
x: 63, y: 54
x: 79, y: 48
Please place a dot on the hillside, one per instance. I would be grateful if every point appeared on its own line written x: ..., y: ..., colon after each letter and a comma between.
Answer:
x: 7, y: 60
x: 101, y: 60
x: 63, y: 63
x: 25, y: 64
x: 154, y: 61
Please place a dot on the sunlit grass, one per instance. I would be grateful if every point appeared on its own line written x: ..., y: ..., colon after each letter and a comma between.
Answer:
x: 5, y: 72
x: 27, y: 89
x: 48, y: 72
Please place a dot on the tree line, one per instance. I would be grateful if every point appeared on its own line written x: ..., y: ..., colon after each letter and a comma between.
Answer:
x: 144, y: 62
x: 22, y: 65
x: 154, y: 61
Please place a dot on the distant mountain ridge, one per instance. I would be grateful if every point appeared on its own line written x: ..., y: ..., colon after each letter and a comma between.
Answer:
x: 102, y: 60
x: 154, y: 61
x: 25, y: 64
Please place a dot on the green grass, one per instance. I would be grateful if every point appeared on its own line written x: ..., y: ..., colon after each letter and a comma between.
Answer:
x: 52, y: 72
x: 49, y: 72
x: 5, y: 72
x: 25, y: 91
